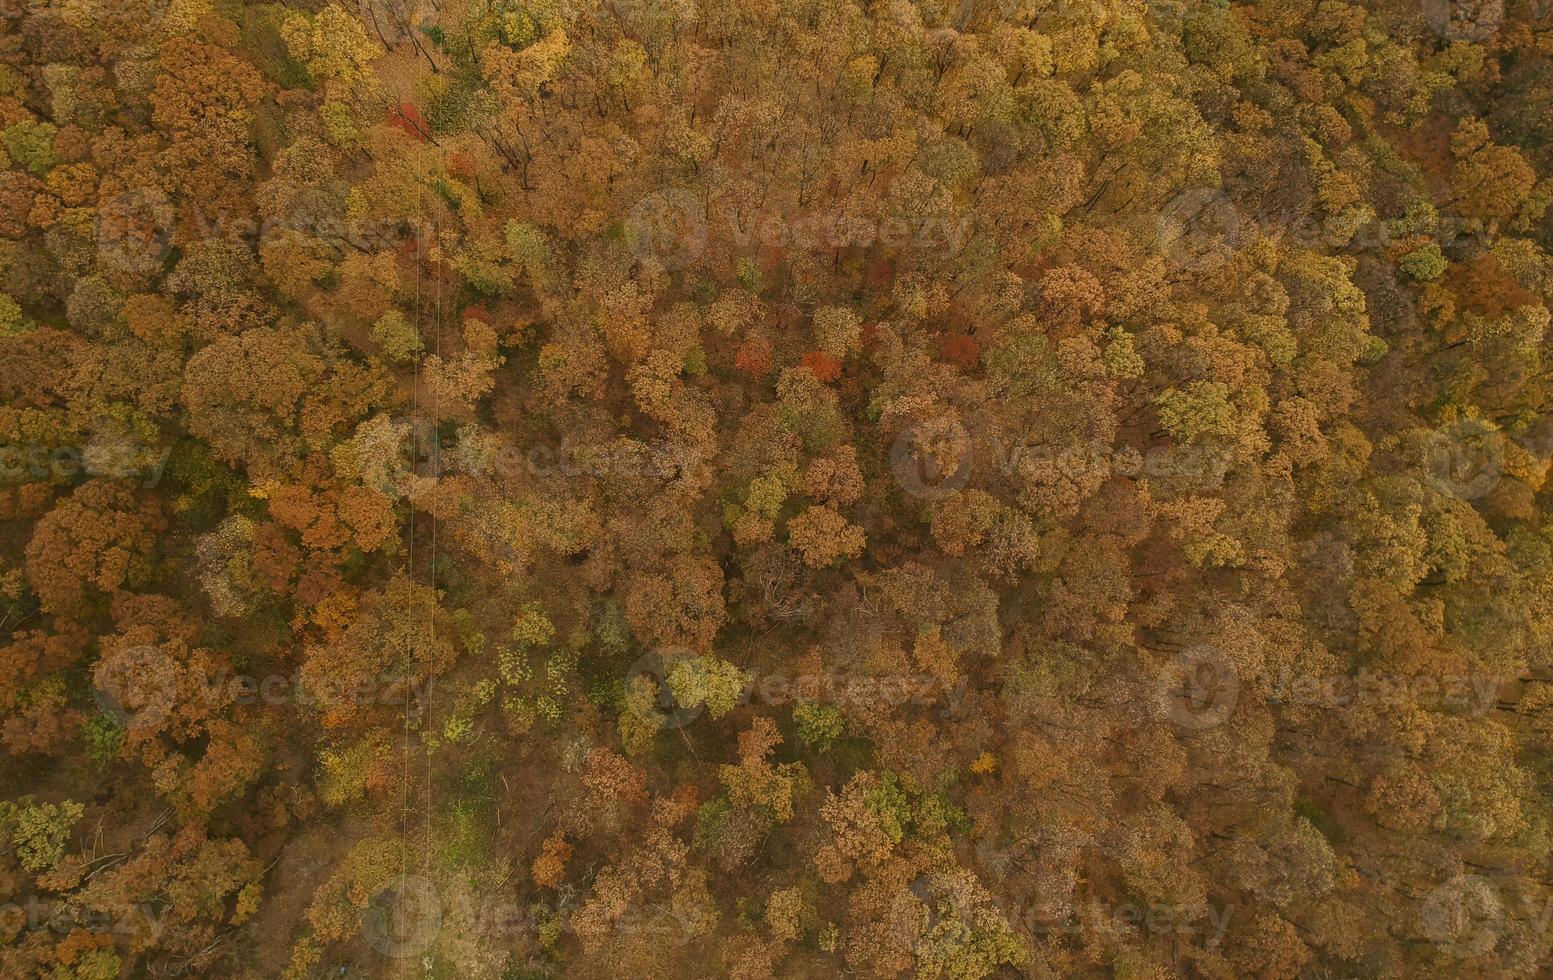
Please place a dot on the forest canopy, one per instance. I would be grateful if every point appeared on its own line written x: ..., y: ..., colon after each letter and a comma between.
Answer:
x: 701, y: 488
